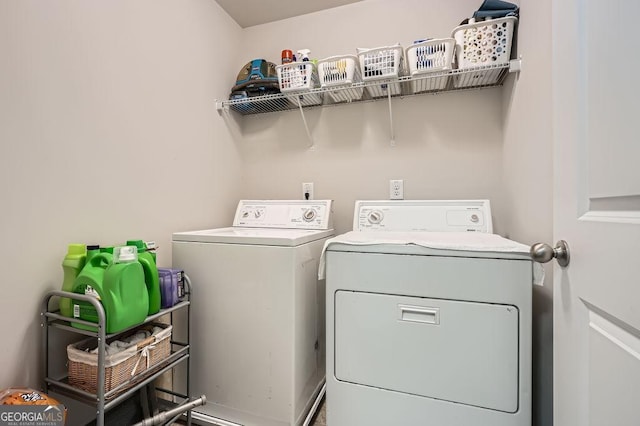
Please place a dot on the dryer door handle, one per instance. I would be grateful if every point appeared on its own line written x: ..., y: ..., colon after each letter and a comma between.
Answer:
x: 422, y: 314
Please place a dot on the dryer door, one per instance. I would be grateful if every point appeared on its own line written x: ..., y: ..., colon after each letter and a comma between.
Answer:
x: 463, y: 352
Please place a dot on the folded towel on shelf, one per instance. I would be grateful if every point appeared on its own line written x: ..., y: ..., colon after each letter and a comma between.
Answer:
x: 126, y: 342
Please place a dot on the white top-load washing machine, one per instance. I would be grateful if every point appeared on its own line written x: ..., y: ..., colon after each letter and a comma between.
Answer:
x: 257, y: 322
x: 428, y: 318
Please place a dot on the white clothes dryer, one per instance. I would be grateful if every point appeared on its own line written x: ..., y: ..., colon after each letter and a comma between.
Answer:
x: 428, y: 318
x: 257, y: 334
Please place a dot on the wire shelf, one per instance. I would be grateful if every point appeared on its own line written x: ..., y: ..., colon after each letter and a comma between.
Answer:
x: 435, y: 82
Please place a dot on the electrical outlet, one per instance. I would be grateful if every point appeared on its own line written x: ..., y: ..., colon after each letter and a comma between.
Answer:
x: 307, y: 191
x: 396, y: 189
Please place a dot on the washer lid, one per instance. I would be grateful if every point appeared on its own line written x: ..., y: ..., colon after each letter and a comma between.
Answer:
x: 270, y: 223
x: 254, y: 236
x: 423, y: 215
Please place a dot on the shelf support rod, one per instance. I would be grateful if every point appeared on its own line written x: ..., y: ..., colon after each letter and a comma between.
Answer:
x: 304, y: 121
x: 393, y: 136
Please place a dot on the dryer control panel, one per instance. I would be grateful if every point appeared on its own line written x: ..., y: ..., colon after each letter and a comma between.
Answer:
x: 423, y: 215
x: 285, y: 214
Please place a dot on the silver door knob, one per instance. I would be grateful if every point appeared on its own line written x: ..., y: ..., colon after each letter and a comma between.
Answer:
x: 542, y: 253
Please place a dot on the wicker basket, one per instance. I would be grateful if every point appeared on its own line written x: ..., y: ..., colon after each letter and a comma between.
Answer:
x: 122, y: 368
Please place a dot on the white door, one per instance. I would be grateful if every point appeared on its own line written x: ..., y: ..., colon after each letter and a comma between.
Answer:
x: 596, y: 90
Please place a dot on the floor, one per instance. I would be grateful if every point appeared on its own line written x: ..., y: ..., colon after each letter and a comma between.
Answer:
x: 320, y: 418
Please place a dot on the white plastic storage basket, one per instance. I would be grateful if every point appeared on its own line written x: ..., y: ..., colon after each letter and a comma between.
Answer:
x: 304, y: 98
x: 426, y: 58
x: 295, y: 79
x: 296, y: 76
x: 382, y: 63
x: 341, y: 72
x: 483, y: 43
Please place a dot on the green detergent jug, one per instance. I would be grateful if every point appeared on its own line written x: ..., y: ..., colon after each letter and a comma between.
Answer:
x: 71, y: 266
x: 151, y: 248
x: 90, y: 282
x: 125, y: 298
x: 92, y: 250
x: 106, y: 250
x: 151, y: 277
x: 118, y: 282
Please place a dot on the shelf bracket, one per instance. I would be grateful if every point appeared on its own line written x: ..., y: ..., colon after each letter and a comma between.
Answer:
x: 304, y: 121
x: 391, y: 129
x: 219, y: 107
x: 515, y: 65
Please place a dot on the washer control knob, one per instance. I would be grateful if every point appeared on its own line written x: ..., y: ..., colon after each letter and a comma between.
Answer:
x: 309, y: 215
x: 475, y: 218
x: 375, y: 217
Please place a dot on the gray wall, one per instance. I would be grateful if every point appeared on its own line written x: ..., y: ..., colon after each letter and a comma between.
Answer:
x: 446, y: 146
x: 493, y: 143
x: 528, y: 180
x: 109, y: 131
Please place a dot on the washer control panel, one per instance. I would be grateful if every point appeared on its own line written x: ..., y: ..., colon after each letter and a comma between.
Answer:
x: 286, y: 214
x: 423, y: 215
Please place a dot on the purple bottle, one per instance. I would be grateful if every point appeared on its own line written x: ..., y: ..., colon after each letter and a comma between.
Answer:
x: 171, y: 286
